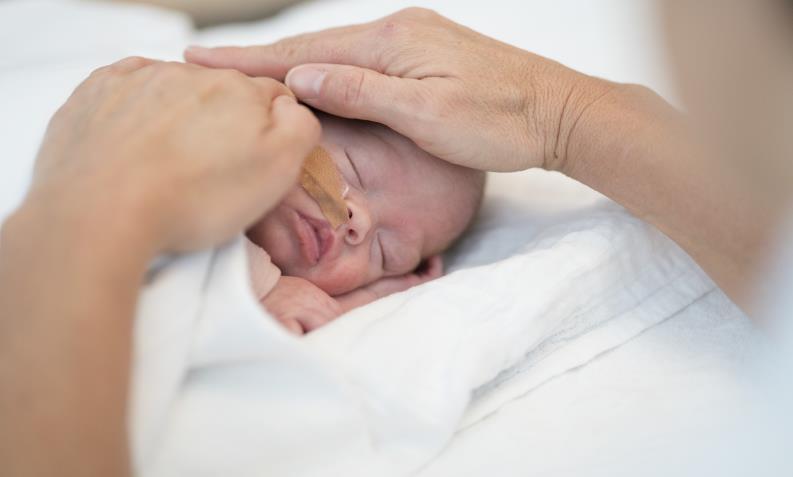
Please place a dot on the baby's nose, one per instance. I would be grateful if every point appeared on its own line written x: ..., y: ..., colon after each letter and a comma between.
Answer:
x: 358, y: 225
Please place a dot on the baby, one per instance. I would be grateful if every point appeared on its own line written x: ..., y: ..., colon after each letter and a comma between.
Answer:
x: 404, y: 207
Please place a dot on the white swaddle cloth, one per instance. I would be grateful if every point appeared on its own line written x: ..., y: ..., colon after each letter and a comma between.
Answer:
x: 221, y: 389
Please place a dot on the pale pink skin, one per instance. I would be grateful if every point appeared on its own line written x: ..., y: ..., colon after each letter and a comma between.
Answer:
x: 405, y: 206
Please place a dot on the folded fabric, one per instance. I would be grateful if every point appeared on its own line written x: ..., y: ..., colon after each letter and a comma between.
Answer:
x: 221, y: 389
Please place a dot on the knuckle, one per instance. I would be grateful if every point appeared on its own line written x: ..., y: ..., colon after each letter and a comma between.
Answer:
x: 164, y: 70
x: 130, y: 62
x: 447, y: 106
x: 404, y: 24
x: 311, y: 125
x: 352, y: 90
x: 417, y: 100
x: 392, y: 29
x: 426, y: 107
x: 222, y: 79
x: 101, y: 72
x: 215, y: 82
x: 230, y: 76
x: 304, y: 126
x: 119, y: 66
x: 286, y: 47
x: 417, y: 13
x: 272, y: 87
x: 443, y: 109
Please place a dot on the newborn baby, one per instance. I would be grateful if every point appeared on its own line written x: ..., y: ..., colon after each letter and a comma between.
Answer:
x: 404, y: 207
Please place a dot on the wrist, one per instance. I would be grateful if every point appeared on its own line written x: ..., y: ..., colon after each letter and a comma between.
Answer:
x: 68, y: 289
x: 574, y: 102
x: 98, y: 233
x: 609, y: 124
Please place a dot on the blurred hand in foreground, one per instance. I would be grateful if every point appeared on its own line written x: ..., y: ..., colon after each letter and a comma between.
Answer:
x: 145, y: 157
x: 186, y: 155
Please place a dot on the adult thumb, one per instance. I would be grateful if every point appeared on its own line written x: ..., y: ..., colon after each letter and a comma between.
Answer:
x: 357, y: 93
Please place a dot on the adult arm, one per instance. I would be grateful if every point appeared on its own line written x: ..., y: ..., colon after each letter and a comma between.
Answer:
x: 144, y: 158
x: 480, y: 103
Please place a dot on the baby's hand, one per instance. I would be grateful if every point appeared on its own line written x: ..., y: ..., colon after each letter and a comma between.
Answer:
x: 431, y: 269
x: 300, y: 305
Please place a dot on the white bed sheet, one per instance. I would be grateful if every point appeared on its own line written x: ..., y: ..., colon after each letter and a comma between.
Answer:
x: 625, y: 412
x: 589, y: 418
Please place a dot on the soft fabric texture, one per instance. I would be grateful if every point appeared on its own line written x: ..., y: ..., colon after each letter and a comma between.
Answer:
x: 385, y: 387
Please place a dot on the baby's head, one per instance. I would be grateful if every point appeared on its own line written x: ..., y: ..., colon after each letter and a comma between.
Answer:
x: 404, y: 206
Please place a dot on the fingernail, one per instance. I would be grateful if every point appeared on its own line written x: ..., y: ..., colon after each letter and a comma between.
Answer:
x: 306, y: 81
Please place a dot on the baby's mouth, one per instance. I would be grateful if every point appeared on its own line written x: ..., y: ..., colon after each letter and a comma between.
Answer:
x: 315, y: 236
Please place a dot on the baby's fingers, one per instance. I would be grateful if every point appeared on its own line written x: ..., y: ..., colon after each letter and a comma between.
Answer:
x: 276, y: 162
x: 292, y: 325
x: 322, y: 311
x: 312, y: 320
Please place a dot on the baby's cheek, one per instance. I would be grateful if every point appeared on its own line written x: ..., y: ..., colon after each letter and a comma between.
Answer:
x: 344, y: 278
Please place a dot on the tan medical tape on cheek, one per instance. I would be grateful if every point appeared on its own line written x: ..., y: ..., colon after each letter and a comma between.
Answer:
x: 322, y: 180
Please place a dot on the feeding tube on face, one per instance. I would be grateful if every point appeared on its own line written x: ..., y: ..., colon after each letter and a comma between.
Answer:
x: 321, y: 179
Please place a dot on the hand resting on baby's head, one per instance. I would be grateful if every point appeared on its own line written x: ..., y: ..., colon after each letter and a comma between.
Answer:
x: 405, y: 208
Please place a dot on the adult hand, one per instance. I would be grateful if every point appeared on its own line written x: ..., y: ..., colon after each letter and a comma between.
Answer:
x: 459, y: 95
x: 186, y: 155
x: 144, y: 157
x: 474, y: 101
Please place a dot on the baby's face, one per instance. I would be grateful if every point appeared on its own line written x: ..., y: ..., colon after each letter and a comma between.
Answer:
x: 404, y: 206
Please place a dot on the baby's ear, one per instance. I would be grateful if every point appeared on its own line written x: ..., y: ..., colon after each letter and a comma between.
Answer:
x: 430, y: 268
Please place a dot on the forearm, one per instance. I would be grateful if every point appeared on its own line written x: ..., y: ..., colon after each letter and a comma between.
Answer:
x: 635, y: 148
x: 68, y: 287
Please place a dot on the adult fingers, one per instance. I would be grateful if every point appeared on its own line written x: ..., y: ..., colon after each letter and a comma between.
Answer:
x: 294, y: 131
x: 294, y: 126
x: 335, y: 45
x: 360, y: 93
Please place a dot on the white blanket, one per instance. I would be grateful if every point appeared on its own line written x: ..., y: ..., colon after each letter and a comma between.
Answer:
x: 221, y: 389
